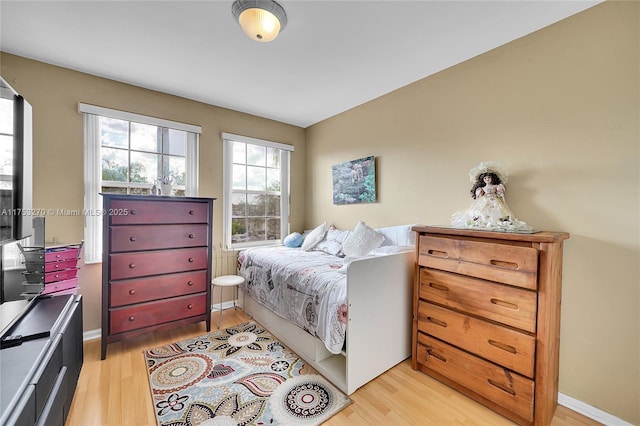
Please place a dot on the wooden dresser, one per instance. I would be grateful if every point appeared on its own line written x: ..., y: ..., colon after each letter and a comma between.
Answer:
x: 156, y: 264
x: 487, y: 317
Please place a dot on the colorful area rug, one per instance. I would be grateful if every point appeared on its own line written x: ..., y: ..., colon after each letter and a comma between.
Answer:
x: 240, y: 375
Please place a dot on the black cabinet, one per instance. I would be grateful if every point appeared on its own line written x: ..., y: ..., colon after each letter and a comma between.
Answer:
x: 39, y: 377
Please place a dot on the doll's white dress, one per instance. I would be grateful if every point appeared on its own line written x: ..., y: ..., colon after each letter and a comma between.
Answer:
x: 489, y: 211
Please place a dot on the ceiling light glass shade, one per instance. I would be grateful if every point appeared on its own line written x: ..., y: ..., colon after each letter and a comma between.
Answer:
x: 261, y: 20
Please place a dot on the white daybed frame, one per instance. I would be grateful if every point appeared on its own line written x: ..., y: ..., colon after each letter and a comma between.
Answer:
x: 379, y: 292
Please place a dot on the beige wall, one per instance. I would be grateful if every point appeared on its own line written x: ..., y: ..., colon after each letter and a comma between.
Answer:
x: 54, y: 94
x: 560, y: 109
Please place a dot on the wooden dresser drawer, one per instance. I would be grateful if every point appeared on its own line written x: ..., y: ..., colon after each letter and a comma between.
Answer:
x: 508, y: 305
x: 67, y: 274
x: 154, y: 313
x: 502, y: 387
x: 131, y: 265
x: 127, y: 292
x: 509, y: 264
x: 131, y: 212
x: 504, y: 346
x: 152, y: 237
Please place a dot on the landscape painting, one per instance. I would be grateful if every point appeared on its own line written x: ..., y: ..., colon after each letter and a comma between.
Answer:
x: 354, y: 181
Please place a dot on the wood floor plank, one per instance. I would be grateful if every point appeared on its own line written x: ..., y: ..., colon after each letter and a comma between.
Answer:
x: 116, y: 391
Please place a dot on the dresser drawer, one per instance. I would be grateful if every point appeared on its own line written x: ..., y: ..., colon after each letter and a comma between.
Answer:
x: 508, y: 305
x: 505, y: 263
x: 57, y: 286
x: 139, y: 290
x: 67, y: 274
x: 60, y: 254
x: 141, y: 237
x: 154, y: 313
x: 131, y: 265
x: 131, y: 212
x: 501, y: 386
x: 58, y: 266
x: 507, y: 347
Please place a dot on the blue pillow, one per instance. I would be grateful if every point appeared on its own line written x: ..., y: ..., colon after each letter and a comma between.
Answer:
x: 293, y: 240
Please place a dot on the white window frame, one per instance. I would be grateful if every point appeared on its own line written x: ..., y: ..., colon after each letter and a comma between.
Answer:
x: 93, y: 175
x: 285, y: 159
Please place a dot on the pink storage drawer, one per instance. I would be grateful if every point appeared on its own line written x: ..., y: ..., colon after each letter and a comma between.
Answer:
x: 60, y: 254
x: 60, y: 286
x: 67, y: 274
x: 59, y: 266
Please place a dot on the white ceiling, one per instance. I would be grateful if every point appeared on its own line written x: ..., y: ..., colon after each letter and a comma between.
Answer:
x: 332, y: 56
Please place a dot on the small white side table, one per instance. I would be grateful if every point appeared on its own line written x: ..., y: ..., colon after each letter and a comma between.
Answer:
x: 227, y: 281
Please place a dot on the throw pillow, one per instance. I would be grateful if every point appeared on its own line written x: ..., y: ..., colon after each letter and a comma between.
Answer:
x: 361, y: 241
x: 332, y: 244
x: 314, y: 237
x: 293, y: 240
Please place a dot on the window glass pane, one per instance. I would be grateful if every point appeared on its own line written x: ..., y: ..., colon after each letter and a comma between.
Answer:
x: 272, y: 204
x: 239, y: 231
x: 256, y: 229
x: 239, y: 153
x: 273, y: 180
x: 6, y: 116
x: 273, y: 157
x: 256, y: 155
x: 114, y: 133
x: 144, y: 167
x: 175, y: 167
x: 140, y: 191
x: 113, y: 190
x: 239, y: 177
x: 239, y: 205
x: 174, y: 142
x: 256, y: 205
x: 256, y: 178
x: 115, y: 164
x: 273, y: 229
x: 144, y: 137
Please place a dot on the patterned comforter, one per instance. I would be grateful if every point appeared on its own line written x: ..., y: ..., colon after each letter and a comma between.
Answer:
x: 303, y: 287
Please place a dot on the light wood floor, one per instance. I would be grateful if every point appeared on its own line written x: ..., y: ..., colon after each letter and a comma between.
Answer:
x: 116, y: 391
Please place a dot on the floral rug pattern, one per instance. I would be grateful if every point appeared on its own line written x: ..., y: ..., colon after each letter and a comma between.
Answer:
x: 240, y: 375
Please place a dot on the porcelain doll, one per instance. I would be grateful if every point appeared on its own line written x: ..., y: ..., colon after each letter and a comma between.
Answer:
x: 489, y: 209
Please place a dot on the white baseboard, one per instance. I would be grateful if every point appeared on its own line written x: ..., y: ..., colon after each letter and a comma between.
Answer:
x: 590, y: 411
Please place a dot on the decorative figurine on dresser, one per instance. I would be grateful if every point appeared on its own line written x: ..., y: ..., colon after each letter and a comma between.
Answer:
x: 156, y: 265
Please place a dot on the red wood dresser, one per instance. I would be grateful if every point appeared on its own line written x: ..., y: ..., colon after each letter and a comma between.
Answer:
x: 156, y: 264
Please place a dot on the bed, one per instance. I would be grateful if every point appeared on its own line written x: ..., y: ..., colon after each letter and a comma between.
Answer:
x: 348, y: 316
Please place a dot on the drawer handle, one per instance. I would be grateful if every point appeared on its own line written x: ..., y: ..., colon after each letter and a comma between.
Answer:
x: 132, y: 292
x: 189, y: 306
x: 437, y: 253
x: 191, y: 236
x: 56, y: 266
x: 192, y: 212
x: 501, y: 387
x: 132, y: 238
x: 132, y: 265
x: 503, y: 264
x: 189, y: 283
x: 132, y: 318
x: 505, y: 304
x: 436, y: 355
x: 133, y: 212
x: 437, y: 321
x: 502, y: 346
x: 438, y: 286
x: 191, y: 260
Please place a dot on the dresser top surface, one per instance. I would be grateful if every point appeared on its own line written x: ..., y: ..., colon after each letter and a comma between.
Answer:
x: 537, y: 236
x: 155, y: 197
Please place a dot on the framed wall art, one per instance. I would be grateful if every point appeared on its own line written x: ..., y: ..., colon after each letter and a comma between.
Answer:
x: 354, y: 181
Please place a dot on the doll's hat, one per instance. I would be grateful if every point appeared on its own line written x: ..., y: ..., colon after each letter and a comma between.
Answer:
x: 488, y: 167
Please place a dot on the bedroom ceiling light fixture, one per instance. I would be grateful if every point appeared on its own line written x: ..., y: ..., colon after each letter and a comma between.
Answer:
x: 261, y: 20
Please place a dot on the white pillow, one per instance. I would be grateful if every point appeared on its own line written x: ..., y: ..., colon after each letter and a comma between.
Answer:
x: 332, y: 244
x: 314, y: 237
x: 361, y: 241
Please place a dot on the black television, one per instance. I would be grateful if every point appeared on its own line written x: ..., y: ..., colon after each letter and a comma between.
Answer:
x: 16, y: 208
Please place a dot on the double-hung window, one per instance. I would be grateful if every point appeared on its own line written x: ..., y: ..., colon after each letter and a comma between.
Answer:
x: 256, y: 191
x: 127, y: 153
